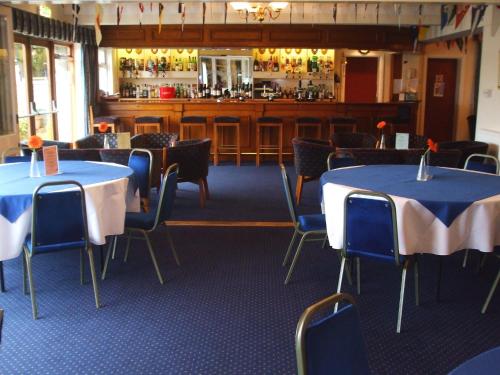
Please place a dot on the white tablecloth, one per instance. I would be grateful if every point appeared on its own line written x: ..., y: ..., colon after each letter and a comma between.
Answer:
x: 106, y: 204
x: 419, y: 231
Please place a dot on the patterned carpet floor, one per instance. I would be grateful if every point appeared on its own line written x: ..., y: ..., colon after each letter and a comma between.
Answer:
x: 225, y: 310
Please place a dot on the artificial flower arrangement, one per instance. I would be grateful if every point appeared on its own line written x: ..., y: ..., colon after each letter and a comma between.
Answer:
x: 103, y: 127
x: 35, y: 142
x: 381, y: 141
x: 423, y: 174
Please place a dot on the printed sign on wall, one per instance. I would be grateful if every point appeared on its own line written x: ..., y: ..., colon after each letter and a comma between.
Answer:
x: 439, y: 86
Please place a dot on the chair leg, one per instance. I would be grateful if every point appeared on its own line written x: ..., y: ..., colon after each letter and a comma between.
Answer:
x: 106, y: 262
x: 216, y: 146
x: 490, y: 294
x: 358, y: 274
x: 347, y: 268
x: 339, y: 284
x: 153, y: 257
x: 127, y: 248
x: 290, y: 246
x: 464, y: 262
x: 401, y: 296
x: 280, y: 145
x: 25, y: 282
x: 205, y: 186
x: 295, y: 258
x: 101, y: 258
x: 34, y: 307
x: 298, y: 188
x: 171, y: 243
x: 82, y: 268
x: 238, y: 147
x: 417, y: 282
x: 2, y: 280
x: 94, y: 277
x: 257, y: 145
x: 324, y: 242
x: 113, y: 243
x: 201, y: 188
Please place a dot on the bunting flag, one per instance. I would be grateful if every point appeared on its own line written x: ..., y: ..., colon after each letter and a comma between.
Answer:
x: 414, y: 36
x: 366, y: 8
x: 246, y: 16
x: 334, y: 12
x: 160, y: 15
x: 420, y: 12
x: 225, y: 12
x: 377, y: 10
x: 461, y: 12
x: 141, y: 13
x: 98, y: 15
x: 75, y: 10
x: 422, y: 32
x: 119, y: 12
x: 355, y: 12
x: 477, y: 16
x: 444, y: 16
x: 452, y: 11
x: 291, y: 13
x: 460, y: 43
x: 398, y: 12
x: 182, y: 11
x: 151, y: 7
x: 204, y: 11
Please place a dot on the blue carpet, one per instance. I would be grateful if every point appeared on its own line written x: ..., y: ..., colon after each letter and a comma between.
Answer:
x: 226, y: 310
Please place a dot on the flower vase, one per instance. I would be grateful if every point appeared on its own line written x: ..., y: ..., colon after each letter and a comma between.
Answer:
x: 34, y: 170
x: 423, y: 173
x: 382, y: 142
x: 106, y: 141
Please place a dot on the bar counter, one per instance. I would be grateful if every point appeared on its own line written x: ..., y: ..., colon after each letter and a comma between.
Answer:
x: 171, y: 110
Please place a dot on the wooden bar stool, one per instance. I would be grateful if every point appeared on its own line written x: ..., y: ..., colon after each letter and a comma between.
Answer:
x: 270, y: 123
x: 189, y: 122
x: 147, y: 124
x: 112, y: 122
x: 308, y: 123
x: 226, y: 122
x: 339, y: 124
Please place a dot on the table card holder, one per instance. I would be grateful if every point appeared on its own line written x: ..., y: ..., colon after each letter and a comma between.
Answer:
x: 123, y: 140
x: 402, y: 141
x: 50, y: 160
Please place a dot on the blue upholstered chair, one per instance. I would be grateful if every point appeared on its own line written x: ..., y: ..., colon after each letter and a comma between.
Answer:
x: 141, y: 162
x: 59, y: 223
x: 486, y: 163
x: 333, y: 344
x: 309, y: 227
x: 146, y: 222
x: 370, y: 231
x: 14, y: 155
x: 334, y: 161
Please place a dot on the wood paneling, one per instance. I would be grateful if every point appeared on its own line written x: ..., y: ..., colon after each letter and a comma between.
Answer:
x: 252, y: 36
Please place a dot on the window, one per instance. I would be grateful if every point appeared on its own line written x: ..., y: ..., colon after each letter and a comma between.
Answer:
x: 105, y: 70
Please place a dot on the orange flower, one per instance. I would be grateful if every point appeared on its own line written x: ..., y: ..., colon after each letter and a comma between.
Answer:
x: 35, y: 142
x: 103, y: 127
x: 433, y: 146
x: 381, y: 125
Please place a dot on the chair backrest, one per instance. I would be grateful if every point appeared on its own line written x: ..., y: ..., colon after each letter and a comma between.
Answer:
x: 141, y: 162
x: 167, y: 194
x: 59, y: 218
x: 308, y: 120
x: 148, y: 120
x: 310, y: 156
x: 482, y: 166
x: 287, y: 187
x: 14, y: 155
x: 333, y: 344
x: 370, y: 226
x: 353, y: 140
x: 153, y: 140
x: 445, y: 158
x: 346, y: 160
x: 193, y: 158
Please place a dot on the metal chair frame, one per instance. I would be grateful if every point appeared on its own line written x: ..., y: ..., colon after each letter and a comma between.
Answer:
x: 174, y: 168
x: 492, y: 290
x: 29, y: 255
x: 411, y: 260
x: 297, y: 231
x: 484, y: 156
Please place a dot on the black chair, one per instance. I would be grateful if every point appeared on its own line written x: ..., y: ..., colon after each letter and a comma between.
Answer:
x: 370, y: 231
x: 97, y: 141
x: 141, y: 162
x: 59, y: 223
x: 332, y: 344
x: 310, y: 156
x: 353, y: 140
x: 147, y: 222
x: 193, y: 157
x: 466, y: 149
x: 340, y: 160
x: 304, y: 225
x: 486, y: 163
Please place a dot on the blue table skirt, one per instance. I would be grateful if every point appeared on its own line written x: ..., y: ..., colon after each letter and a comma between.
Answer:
x: 446, y: 195
x: 16, y: 187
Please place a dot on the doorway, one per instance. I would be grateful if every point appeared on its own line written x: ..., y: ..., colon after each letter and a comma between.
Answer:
x: 361, y: 80
x: 440, y: 99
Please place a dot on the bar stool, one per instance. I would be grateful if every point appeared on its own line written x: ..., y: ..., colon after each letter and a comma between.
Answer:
x: 269, y: 122
x: 308, y: 123
x: 189, y: 122
x: 226, y: 122
x: 339, y: 124
x: 147, y: 124
x: 112, y: 122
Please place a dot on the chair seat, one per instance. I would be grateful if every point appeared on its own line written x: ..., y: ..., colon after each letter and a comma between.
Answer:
x: 309, y: 223
x: 482, y: 167
x: 140, y: 220
x: 374, y: 256
x: 53, y: 248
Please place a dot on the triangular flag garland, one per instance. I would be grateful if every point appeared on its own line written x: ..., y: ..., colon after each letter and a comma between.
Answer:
x: 414, y: 36
x: 460, y: 44
x: 141, y: 13
x: 119, y: 12
x: 98, y: 34
x: 420, y: 11
x: 160, y: 15
x: 182, y: 11
x: 461, y: 12
x: 377, y: 11
x: 452, y: 11
x: 291, y: 13
x: 75, y: 10
x: 422, y: 32
x: 334, y: 12
x: 356, y: 13
x: 444, y: 16
x: 225, y: 12
x: 204, y: 11
x: 477, y: 16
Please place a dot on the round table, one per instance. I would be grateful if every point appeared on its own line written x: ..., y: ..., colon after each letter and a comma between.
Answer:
x: 110, y: 191
x: 454, y: 210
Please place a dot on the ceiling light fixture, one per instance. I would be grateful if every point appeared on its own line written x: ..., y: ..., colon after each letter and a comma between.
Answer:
x: 258, y: 11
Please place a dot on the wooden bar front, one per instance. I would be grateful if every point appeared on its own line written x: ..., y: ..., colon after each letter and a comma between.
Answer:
x: 171, y: 110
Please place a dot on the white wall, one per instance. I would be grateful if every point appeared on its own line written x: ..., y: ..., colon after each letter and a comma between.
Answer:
x: 488, y: 111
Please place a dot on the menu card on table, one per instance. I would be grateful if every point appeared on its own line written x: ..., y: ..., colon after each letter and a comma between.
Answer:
x: 50, y: 160
x: 402, y: 141
x: 123, y: 140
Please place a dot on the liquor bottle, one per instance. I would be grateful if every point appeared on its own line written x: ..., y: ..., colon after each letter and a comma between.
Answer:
x: 256, y: 65
x: 309, y: 65
x: 276, y: 65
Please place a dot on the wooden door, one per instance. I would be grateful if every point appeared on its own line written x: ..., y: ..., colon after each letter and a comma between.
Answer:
x: 440, y: 99
x: 361, y: 80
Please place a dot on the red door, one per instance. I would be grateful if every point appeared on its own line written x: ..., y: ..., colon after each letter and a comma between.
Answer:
x: 440, y: 99
x: 361, y: 80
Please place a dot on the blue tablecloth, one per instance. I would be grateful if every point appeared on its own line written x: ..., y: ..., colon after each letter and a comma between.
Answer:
x: 16, y: 187
x: 446, y: 195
